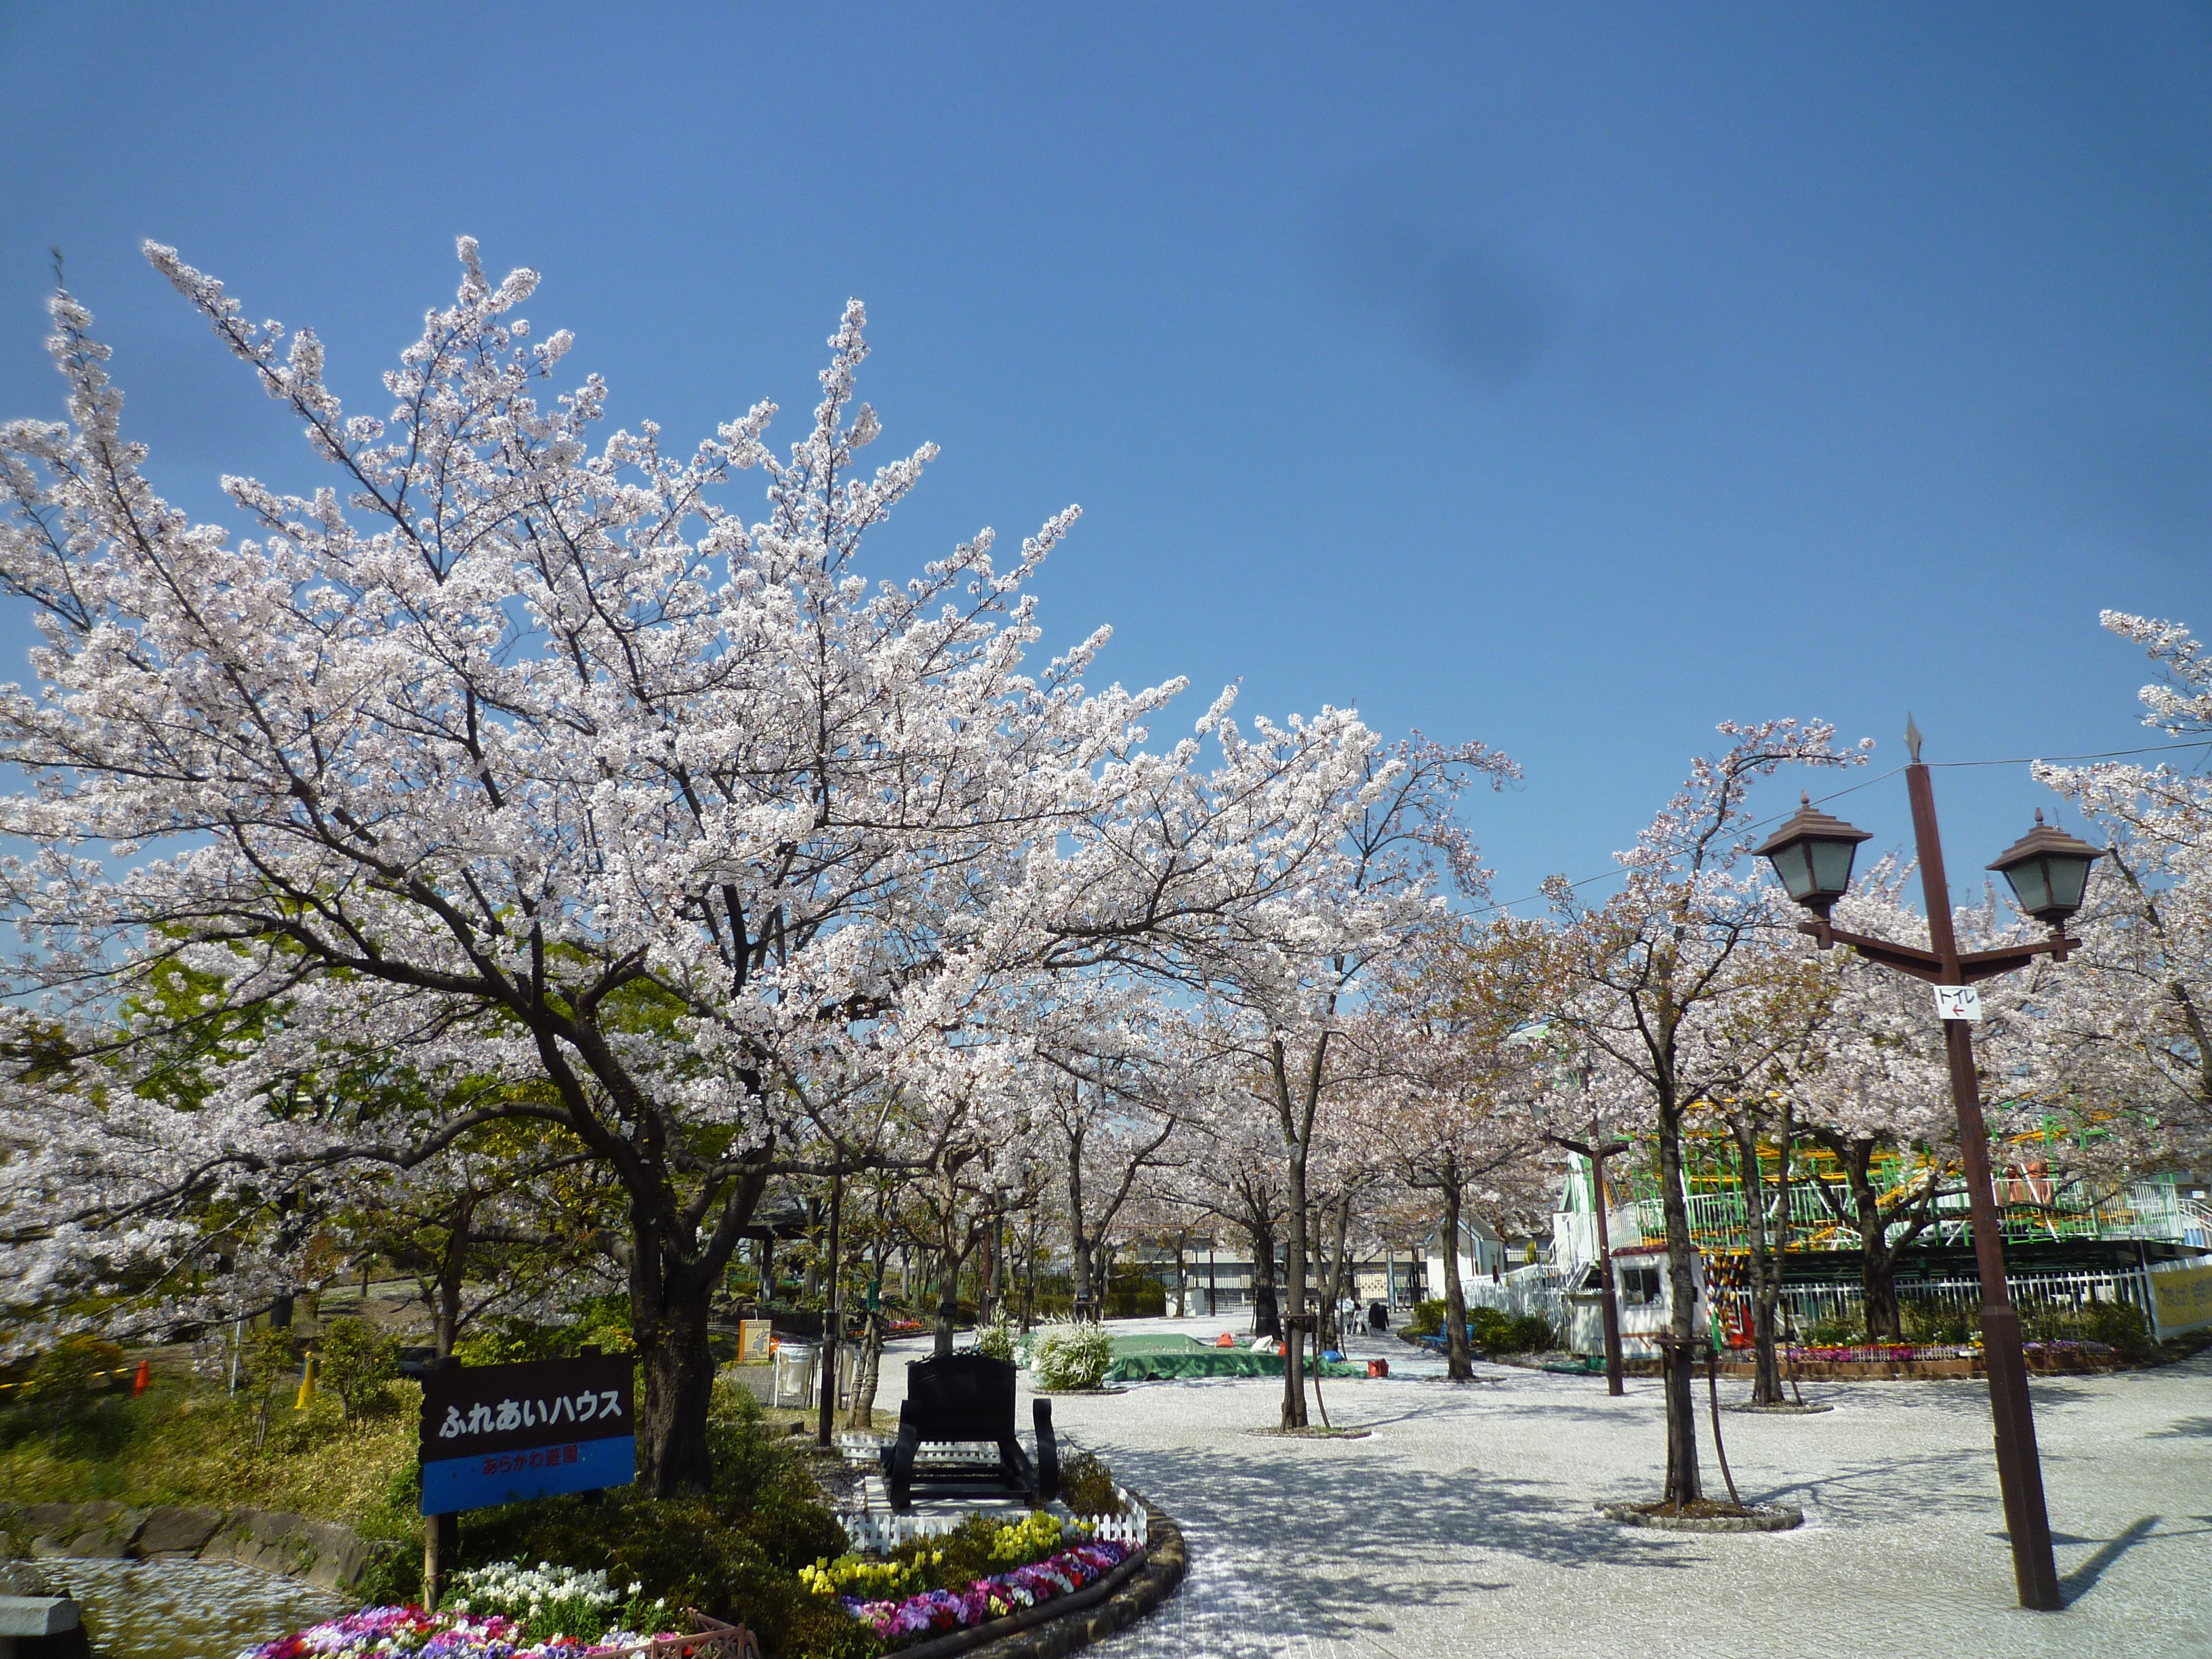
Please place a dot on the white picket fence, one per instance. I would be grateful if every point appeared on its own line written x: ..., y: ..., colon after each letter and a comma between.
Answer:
x: 877, y: 1528
x: 1538, y: 1290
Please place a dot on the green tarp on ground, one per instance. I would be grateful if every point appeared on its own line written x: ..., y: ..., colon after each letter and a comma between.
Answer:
x: 1148, y: 1359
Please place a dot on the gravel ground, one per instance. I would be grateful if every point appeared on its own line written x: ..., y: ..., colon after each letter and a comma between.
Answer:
x: 1464, y: 1524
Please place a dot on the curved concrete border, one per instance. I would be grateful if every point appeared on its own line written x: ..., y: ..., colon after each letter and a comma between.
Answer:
x: 327, y: 1555
x: 1783, y: 1410
x: 1090, y: 1614
x: 1765, y: 1517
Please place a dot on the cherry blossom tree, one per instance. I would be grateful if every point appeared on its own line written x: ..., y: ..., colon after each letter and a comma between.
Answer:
x: 1452, y: 1104
x: 522, y: 756
x: 2129, y: 1025
x: 1281, y: 979
x: 1648, y: 978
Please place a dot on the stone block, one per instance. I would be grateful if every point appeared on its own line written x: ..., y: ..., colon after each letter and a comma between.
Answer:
x: 328, y: 1556
x: 96, y: 1531
x: 36, y: 1615
x: 176, y: 1530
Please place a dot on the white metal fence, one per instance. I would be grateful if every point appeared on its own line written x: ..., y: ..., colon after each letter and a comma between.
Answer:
x: 2148, y: 1210
x: 2038, y: 1296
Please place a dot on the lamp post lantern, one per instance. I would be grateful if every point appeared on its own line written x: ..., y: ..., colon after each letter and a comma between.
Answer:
x: 2048, y: 870
x: 1811, y: 853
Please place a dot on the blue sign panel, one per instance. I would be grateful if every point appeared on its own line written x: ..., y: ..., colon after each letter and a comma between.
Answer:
x: 453, y: 1484
x: 498, y: 1434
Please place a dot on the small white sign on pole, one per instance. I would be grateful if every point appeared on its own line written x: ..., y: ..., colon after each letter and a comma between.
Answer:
x: 1958, y: 1002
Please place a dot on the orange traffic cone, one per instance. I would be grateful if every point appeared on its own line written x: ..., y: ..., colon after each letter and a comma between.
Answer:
x: 145, y: 1375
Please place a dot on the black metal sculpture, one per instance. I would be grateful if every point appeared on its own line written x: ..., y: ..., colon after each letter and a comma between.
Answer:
x: 968, y: 1397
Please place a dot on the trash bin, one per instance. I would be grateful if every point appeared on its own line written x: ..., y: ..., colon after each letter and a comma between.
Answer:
x: 794, y: 1374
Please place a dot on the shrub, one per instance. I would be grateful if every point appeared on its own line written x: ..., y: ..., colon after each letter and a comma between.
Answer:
x: 69, y: 1379
x: 1490, y: 1330
x: 1530, y: 1334
x: 1086, y: 1486
x: 1428, y: 1318
x: 1931, y: 1324
x: 996, y: 1339
x: 2121, y: 1324
x: 357, y: 1361
x: 1833, y: 1332
x: 1072, y: 1354
x: 1135, y: 1294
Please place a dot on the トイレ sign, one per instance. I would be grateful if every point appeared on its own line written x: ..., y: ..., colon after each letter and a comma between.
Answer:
x: 497, y: 1434
x: 1958, y: 1002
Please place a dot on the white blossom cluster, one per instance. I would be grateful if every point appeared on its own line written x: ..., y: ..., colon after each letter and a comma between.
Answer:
x: 509, y: 797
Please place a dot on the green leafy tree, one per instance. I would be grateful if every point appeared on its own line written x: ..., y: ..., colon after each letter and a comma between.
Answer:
x: 68, y: 1378
x: 357, y: 1361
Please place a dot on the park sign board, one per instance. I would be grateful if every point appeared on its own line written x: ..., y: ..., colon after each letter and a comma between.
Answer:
x: 498, y: 1434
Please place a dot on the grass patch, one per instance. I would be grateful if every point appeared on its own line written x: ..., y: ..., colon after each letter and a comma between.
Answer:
x: 186, y: 1442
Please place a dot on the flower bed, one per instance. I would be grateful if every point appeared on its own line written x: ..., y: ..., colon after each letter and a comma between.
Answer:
x: 1875, y: 1352
x: 503, y: 1611
x: 392, y: 1632
x: 2061, y: 1351
x: 896, y: 1623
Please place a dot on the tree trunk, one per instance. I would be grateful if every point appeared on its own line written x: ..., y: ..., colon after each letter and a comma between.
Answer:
x: 1294, y: 1300
x: 833, y: 1313
x: 1030, y: 1269
x: 1682, y: 1404
x: 1338, y: 1271
x: 1459, y: 1362
x: 453, y: 1274
x: 1878, y: 1257
x: 1766, y: 1374
x: 1079, y: 1245
x: 948, y: 1302
x: 449, y: 1313
x: 863, y: 1414
x: 671, y: 1293
x: 987, y: 1301
x: 810, y: 1285
x: 668, y: 1318
x: 1885, y: 1321
x: 1266, y: 1314
x: 1778, y: 1243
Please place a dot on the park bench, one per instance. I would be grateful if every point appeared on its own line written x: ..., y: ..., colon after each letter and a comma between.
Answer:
x: 968, y: 1398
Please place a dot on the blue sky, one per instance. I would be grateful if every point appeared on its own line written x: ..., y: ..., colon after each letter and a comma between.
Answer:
x: 1570, y: 378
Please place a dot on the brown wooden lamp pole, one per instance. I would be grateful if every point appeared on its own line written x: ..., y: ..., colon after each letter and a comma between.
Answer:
x: 1608, y: 1304
x: 2048, y: 870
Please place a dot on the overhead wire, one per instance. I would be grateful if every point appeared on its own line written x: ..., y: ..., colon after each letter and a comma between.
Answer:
x: 1850, y: 789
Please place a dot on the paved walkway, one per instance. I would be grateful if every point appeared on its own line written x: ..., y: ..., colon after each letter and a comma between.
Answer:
x: 1464, y: 1525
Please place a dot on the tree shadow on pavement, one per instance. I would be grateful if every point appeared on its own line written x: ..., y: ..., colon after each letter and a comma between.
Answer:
x: 2186, y: 1428
x: 1875, y: 1491
x: 1344, y: 1542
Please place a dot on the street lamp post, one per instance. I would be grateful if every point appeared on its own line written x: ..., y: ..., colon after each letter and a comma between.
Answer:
x: 2048, y: 870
